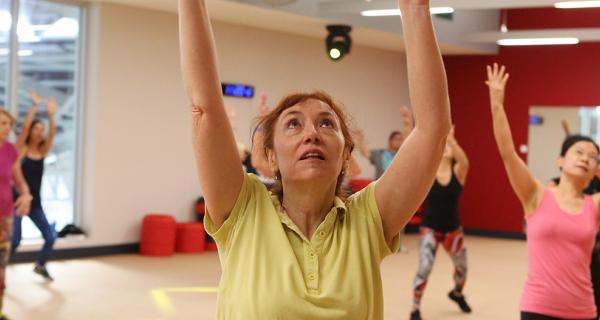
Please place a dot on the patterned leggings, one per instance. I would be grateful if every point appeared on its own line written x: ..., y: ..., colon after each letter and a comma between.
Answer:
x: 5, y: 233
x: 428, y: 244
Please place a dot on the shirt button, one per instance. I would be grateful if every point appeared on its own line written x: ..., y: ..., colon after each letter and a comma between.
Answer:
x: 322, y: 234
x: 311, y: 277
x: 312, y: 254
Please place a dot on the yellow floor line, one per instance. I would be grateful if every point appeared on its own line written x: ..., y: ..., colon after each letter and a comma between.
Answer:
x: 162, y: 301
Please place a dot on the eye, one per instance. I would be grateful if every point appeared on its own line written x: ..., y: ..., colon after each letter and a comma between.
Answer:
x: 327, y: 123
x: 292, y: 124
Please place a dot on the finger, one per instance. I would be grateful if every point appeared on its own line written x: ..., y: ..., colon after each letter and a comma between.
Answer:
x: 502, y: 71
x: 489, y: 72
x: 495, y: 68
x: 505, y: 79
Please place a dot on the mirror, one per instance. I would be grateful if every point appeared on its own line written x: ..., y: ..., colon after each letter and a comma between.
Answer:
x: 546, y: 134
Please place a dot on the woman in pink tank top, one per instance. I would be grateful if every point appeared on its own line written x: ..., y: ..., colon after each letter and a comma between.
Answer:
x: 561, y: 221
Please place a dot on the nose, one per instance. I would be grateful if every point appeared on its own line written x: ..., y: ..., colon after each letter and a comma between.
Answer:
x: 311, y: 135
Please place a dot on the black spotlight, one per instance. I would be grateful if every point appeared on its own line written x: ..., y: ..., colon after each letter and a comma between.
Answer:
x: 338, y: 41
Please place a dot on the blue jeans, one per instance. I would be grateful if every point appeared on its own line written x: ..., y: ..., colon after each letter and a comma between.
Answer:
x: 38, y: 217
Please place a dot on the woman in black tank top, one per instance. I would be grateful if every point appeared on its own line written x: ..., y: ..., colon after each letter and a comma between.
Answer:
x: 441, y: 225
x: 33, y: 148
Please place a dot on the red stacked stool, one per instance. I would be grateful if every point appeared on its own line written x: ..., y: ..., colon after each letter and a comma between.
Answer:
x: 358, y: 184
x: 209, y: 242
x: 158, y: 235
x: 190, y: 237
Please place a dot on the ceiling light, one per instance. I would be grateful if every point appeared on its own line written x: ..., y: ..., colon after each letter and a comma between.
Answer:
x: 338, y: 41
x: 396, y: 12
x: 537, y: 41
x: 577, y: 4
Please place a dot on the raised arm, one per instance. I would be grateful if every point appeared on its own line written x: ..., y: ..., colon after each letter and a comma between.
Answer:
x: 527, y: 188
x: 219, y: 169
x: 259, y: 159
x: 35, y: 102
x: 51, y: 109
x: 461, y: 167
x: 404, y: 185
x: 361, y: 144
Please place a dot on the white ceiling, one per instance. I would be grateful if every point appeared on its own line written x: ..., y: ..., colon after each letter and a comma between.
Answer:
x: 472, y: 30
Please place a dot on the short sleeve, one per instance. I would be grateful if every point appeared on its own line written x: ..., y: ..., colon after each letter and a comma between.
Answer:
x: 365, y: 201
x: 245, y: 201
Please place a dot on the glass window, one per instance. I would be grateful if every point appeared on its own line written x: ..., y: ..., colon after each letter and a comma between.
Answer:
x: 5, y: 23
x: 48, y: 54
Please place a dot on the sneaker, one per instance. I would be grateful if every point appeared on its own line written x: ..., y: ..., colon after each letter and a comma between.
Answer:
x: 460, y: 300
x: 415, y: 315
x: 42, y: 271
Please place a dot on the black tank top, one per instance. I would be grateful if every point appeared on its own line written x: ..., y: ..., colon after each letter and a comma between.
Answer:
x: 441, y: 207
x: 33, y: 171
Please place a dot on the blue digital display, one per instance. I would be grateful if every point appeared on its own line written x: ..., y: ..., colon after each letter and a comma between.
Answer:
x: 237, y: 90
x: 536, y: 120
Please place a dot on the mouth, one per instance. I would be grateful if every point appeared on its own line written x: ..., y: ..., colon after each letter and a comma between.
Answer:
x: 582, y: 167
x: 313, y: 154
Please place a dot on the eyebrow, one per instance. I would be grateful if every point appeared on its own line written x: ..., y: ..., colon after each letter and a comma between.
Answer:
x: 296, y: 112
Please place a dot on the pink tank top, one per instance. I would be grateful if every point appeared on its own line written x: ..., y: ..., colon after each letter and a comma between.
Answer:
x: 559, y: 248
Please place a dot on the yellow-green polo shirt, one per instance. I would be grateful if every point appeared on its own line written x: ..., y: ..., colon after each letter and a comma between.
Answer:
x: 272, y: 271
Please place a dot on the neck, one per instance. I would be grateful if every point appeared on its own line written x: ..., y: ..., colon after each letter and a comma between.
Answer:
x: 569, y: 187
x: 308, y: 204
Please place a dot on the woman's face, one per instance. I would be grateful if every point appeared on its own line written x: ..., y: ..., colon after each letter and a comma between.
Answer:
x: 5, y: 126
x: 37, y: 133
x: 396, y: 141
x: 308, y: 143
x: 580, y: 160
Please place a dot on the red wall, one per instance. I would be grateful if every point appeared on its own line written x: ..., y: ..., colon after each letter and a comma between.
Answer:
x: 557, y: 75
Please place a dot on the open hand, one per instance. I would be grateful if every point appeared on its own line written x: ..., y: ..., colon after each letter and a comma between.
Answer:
x: 35, y: 98
x: 51, y: 107
x: 263, y: 109
x: 496, y: 81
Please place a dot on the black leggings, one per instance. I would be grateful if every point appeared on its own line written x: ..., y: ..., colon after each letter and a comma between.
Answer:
x: 537, y: 316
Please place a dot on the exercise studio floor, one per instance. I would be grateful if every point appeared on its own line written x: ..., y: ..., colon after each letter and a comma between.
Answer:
x: 131, y: 287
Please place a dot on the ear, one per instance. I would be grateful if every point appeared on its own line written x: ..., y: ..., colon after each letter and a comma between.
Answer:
x: 272, y: 160
x: 560, y: 162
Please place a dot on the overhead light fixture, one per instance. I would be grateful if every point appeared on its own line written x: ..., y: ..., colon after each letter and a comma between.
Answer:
x: 338, y: 41
x: 537, y: 41
x: 396, y: 12
x: 577, y: 4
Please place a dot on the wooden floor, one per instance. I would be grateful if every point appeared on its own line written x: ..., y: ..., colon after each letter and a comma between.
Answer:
x: 132, y: 287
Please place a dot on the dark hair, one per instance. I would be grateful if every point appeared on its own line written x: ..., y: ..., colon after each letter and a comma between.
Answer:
x: 33, y: 123
x: 573, y: 139
x: 393, y: 134
x: 267, y: 123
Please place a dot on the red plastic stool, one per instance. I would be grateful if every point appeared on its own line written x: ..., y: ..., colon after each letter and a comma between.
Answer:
x: 158, y: 235
x: 358, y: 184
x: 210, y: 246
x: 190, y: 237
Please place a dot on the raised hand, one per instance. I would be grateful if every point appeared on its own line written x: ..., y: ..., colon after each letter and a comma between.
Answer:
x: 51, y: 107
x: 451, y: 137
x: 497, y: 77
x: 35, y: 98
x: 407, y: 120
x: 263, y: 109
